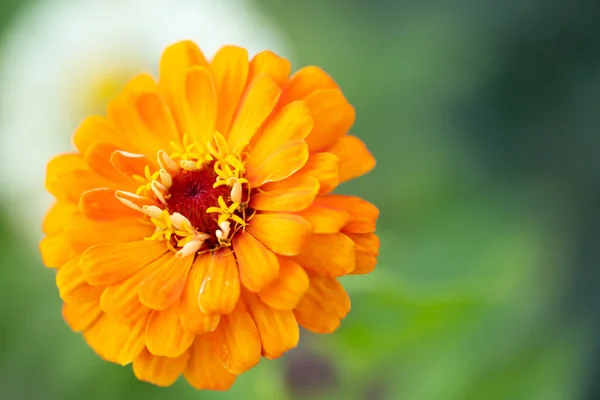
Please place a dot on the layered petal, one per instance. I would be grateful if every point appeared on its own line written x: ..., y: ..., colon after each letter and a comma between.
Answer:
x: 80, y: 316
x: 165, y: 335
x: 323, y: 305
x: 220, y: 289
x: 114, y: 341
x: 73, y: 287
x: 163, y: 286
x: 258, y: 265
x: 367, y: 250
x: 204, y: 369
x: 101, y: 204
x: 268, y: 63
x: 285, y: 291
x: 192, y: 318
x: 362, y: 214
x: 284, y: 234
x: 355, y: 159
x: 293, y: 194
x: 160, y: 371
x: 241, y: 347
x: 328, y: 254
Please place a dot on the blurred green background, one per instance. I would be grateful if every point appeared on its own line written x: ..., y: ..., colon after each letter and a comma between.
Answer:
x: 484, y: 118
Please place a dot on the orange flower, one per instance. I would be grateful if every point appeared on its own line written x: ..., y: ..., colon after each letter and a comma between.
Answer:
x: 195, y: 228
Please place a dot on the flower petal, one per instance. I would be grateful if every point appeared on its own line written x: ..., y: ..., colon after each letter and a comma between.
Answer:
x: 199, y: 114
x: 204, y: 369
x: 355, y: 158
x: 258, y: 266
x: 130, y: 164
x: 105, y: 264
x: 116, y: 342
x: 97, y: 157
x: 256, y: 105
x: 56, y: 251
x: 80, y: 316
x: 73, y: 287
x: 292, y: 194
x: 192, y: 318
x: 323, y: 306
x: 280, y: 164
x: 68, y: 175
x: 163, y: 286
x: 160, y: 371
x: 267, y: 62
x: 122, y: 300
x: 157, y: 119
x: 165, y: 335
x: 284, y: 234
x: 229, y: 69
x: 333, y: 117
x: 328, y: 254
x: 325, y: 219
x: 363, y: 215
x: 174, y: 64
x: 101, y: 204
x: 285, y: 291
x: 241, y: 346
x: 278, y: 329
x: 221, y: 287
x: 367, y: 250
x: 325, y: 167
x: 306, y: 81
x: 92, y: 130
x: 55, y: 218
x: 79, y: 229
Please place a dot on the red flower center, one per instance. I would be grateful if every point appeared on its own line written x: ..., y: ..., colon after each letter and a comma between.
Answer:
x: 192, y: 193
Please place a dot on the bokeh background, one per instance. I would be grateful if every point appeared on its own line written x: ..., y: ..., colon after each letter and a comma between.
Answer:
x: 485, y: 120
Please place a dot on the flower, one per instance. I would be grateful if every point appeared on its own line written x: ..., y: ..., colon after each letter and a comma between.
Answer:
x: 195, y: 228
x: 87, y: 50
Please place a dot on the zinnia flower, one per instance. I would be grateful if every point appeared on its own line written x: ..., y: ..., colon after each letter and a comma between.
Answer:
x: 195, y: 228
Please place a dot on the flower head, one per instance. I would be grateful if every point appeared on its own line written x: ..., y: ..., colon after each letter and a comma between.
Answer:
x: 195, y: 228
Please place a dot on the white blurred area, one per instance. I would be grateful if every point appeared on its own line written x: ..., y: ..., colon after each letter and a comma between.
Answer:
x: 64, y: 59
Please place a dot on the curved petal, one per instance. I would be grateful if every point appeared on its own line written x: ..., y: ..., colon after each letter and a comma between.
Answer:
x: 165, y: 335
x: 325, y: 219
x: 101, y: 204
x: 280, y: 164
x: 333, y: 117
x: 367, y: 250
x: 328, y: 254
x: 362, y: 214
x: 355, y: 159
x: 204, y: 369
x: 163, y: 286
x: 306, y: 81
x: 221, y: 287
x: 160, y: 371
x: 199, y: 113
x: 285, y: 291
x: 323, y: 306
x: 292, y: 194
x: 192, y: 318
x: 73, y: 287
x: 258, y: 266
x: 80, y: 316
x: 241, y: 346
x: 284, y: 234
x: 268, y: 63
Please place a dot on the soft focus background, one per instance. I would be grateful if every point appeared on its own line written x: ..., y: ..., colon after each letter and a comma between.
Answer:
x: 485, y: 120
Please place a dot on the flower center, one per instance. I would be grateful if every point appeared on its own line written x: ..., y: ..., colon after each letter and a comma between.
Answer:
x: 192, y: 193
x: 198, y: 203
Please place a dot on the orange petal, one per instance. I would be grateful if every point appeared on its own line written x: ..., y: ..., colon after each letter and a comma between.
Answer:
x: 160, y: 371
x: 192, y: 318
x: 200, y: 111
x: 67, y: 176
x: 355, y: 158
x: 279, y: 165
x: 174, y: 64
x: 292, y: 194
x: 363, y: 215
x: 323, y: 306
x: 285, y: 292
x: 72, y: 285
x: 204, y: 369
x: 157, y: 119
x: 106, y: 264
x: 92, y: 130
x: 325, y: 219
x: 80, y: 316
x: 101, y: 204
x: 325, y: 167
x: 284, y: 234
x: 305, y: 81
x: 291, y: 123
x: 56, y: 251
x: 328, y: 254
x: 97, y: 157
x: 54, y: 219
x: 333, y: 117
x: 367, y: 250
x: 80, y: 229
x: 258, y: 265
x: 258, y: 102
x: 131, y: 164
x: 221, y: 287
x: 278, y: 329
x: 122, y: 301
x: 241, y: 342
x: 116, y: 342
x: 229, y: 69
x: 165, y: 336
x: 267, y: 62
x: 163, y: 286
